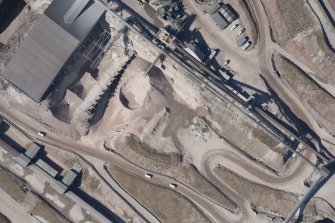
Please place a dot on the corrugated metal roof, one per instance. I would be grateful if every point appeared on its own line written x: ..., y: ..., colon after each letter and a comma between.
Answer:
x: 223, y: 16
x: 82, y: 25
x: 69, y: 178
x: 22, y: 160
x: 72, y: 174
x: 214, y: 9
x: 59, y: 187
x: 48, y: 46
x: 46, y: 167
x: 75, y: 10
x: 219, y: 20
x: 32, y: 150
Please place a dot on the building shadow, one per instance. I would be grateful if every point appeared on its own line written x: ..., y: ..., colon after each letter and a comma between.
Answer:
x: 4, y: 127
x: 9, y: 10
x: 200, y: 41
x: 141, y: 20
x: 260, y: 97
x: 144, y: 30
x: 97, y: 205
x: 8, y: 142
x: 185, y: 34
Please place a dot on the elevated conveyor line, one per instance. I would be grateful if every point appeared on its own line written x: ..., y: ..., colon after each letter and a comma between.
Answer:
x: 292, y: 134
x: 275, y: 130
x: 229, y: 96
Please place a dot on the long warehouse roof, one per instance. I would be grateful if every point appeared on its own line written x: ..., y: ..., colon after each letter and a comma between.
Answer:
x: 49, y: 45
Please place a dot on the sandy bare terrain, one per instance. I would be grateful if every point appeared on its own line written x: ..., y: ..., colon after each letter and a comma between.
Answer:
x: 272, y: 200
x: 320, y: 103
x: 301, y: 35
x: 164, y: 122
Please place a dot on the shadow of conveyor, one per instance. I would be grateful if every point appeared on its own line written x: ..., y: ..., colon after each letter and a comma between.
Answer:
x: 301, y: 128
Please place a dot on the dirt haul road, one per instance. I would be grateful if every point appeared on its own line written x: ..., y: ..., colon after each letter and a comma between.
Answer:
x: 266, y: 49
x: 233, y: 161
x: 208, y: 206
x: 215, y: 211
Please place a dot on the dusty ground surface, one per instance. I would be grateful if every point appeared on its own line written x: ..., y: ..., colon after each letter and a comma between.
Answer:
x: 94, y: 185
x: 32, y: 202
x: 320, y: 103
x: 47, y: 197
x: 301, y: 35
x: 272, y: 200
x: 175, y: 207
x: 170, y: 164
x: 191, y: 176
x: 165, y: 122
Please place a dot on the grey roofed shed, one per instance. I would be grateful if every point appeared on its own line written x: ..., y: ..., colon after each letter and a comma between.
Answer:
x: 59, y: 187
x: 46, y: 167
x: 71, y: 175
x: 223, y: 15
x: 22, y: 160
x: 219, y: 20
x: 69, y: 178
x: 49, y: 45
x: 32, y: 150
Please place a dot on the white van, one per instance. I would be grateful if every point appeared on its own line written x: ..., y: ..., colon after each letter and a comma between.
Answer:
x: 246, y: 45
x: 148, y: 175
x: 172, y: 185
x: 234, y: 27
x: 42, y: 134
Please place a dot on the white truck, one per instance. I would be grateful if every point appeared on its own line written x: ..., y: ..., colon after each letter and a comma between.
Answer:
x: 148, y: 175
x: 172, y: 185
x: 246, y: 45
x: 234, y: 27
x: 226, y: 62
x: 42, y: 134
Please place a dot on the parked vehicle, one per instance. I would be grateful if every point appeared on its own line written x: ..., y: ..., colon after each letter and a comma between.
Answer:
x: 234, y: 27
x: 226, y: 62
x: 241, y: 31
x: 42, y: 134
x: 148, y: 175
x: 246, y: 45
x: 172, y: 185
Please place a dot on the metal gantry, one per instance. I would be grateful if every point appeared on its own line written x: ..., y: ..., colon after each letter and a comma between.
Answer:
x: 98, y: 45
